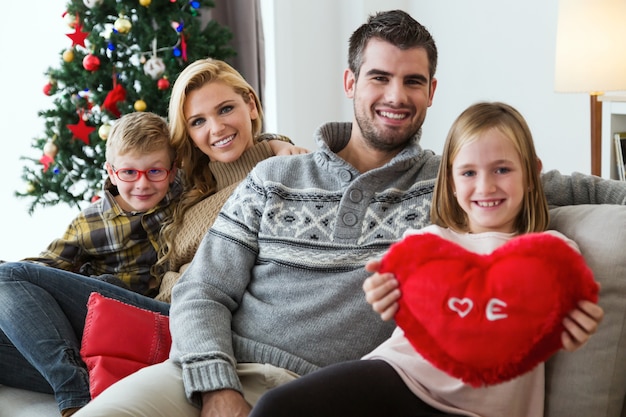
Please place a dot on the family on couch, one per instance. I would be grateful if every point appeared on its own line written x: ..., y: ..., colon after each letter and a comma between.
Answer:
x: 283, y: 265
x: 44, y: 301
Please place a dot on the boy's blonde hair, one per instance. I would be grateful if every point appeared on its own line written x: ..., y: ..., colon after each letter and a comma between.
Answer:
x: 139, y: 132
x: 474, y: 121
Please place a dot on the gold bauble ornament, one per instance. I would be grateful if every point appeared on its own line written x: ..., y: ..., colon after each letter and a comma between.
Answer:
x: 122, y: 25
x: 140, y: 105
x: 30, y: 188
x: 104, y: 131
x: 145, y: 3
x: 68, y: 55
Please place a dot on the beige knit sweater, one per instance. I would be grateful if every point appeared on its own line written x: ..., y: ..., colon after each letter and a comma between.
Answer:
x: 199, y: 218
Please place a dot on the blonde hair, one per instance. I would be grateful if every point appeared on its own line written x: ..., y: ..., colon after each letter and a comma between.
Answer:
x: 198, y: 179
x: 474, y: 121
x: 139, y: 132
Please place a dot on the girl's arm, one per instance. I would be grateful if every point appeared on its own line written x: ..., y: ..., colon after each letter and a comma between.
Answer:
x: 381, y: 291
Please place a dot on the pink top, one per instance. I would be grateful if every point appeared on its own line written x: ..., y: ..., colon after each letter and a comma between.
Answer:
x: 519, y: 397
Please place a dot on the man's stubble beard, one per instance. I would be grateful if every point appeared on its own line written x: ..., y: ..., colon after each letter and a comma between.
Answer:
x: 392, y: 142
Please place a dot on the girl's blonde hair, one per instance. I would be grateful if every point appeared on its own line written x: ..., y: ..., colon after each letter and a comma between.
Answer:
x: 197, y: 177
x: 473, y: 122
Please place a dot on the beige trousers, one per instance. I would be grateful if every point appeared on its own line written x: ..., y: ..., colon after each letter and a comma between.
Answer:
x: 157, y: 391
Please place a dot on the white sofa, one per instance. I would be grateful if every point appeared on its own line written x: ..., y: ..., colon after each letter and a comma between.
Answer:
x: 20, y: 403
x: 590, y: 382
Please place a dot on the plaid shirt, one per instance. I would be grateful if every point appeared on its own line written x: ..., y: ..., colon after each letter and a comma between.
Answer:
x: 103, y: 239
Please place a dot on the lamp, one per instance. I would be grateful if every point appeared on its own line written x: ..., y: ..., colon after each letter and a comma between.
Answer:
x: 591, y: 56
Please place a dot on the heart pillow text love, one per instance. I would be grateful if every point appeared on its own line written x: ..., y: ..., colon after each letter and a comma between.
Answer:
x: 486, y: 319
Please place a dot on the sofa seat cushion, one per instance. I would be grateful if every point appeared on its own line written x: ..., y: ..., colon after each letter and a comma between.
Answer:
x: 16, y: 402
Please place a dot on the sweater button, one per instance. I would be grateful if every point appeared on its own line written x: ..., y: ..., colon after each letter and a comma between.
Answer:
x: 356, y: 196
x: 345, y: 175
x: 349, y: 219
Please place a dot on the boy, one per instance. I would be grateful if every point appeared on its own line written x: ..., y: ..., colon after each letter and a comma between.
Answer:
x: 43, y: 307
x: 118, y: 235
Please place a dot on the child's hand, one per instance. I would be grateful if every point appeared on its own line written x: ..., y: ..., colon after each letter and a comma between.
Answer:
x: 580, y: 324
x: 285, y: 148
x: 381, y: 291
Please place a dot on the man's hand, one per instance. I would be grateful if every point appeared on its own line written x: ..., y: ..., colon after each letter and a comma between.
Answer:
x: 224, y: 403
x: 381, y: 291
x: 580, y: 324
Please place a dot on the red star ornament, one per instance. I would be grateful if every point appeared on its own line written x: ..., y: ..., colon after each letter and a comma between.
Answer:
x: 45, y: 160
x: 78, y: 37
x: 81, y: 130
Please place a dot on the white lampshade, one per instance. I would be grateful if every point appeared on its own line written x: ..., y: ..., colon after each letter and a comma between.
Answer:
x: 591, y: 46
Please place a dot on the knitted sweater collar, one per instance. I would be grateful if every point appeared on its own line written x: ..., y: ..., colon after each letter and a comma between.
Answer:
x: 228, y: 173
x: 332, y: 137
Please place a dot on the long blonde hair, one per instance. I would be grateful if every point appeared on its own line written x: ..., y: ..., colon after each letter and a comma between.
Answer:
x: 475, y: 120
x: 198, y: 180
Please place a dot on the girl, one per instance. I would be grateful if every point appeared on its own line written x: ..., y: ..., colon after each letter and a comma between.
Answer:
x: 488, y: 191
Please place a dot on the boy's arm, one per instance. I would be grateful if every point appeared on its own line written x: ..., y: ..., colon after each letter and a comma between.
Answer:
x: 61, y: 253
x: 566, y: 190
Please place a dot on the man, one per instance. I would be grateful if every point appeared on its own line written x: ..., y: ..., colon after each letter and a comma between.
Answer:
x: 274, y: 290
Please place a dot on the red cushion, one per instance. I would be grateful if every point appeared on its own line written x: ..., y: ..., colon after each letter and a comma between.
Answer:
x: 120, y: 339
x: 487, y: 318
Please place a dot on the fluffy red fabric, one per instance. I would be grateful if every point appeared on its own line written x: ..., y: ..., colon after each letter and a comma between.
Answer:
x: 120, y: 339
x: 486, y: 319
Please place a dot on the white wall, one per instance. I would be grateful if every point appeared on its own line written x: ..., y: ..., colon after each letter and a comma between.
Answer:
x: 489, y: 50
x: 30, y: 44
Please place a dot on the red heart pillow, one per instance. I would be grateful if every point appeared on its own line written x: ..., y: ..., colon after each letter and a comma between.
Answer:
x: 486, y: 319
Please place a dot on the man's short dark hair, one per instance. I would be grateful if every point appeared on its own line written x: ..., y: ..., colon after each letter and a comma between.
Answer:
x: 396, y: 27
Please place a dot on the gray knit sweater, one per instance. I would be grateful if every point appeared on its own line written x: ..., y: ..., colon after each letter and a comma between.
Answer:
x: 278, y: 277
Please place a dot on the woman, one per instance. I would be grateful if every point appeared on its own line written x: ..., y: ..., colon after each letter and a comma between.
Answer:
x: 215, y: 121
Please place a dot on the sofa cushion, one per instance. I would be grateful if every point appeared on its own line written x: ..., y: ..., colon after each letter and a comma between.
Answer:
x: 591, y: 381
x: 16, y: 402
x: 119, y: 339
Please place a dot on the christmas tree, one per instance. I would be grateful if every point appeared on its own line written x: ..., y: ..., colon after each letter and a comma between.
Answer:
x: 122, y: 56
